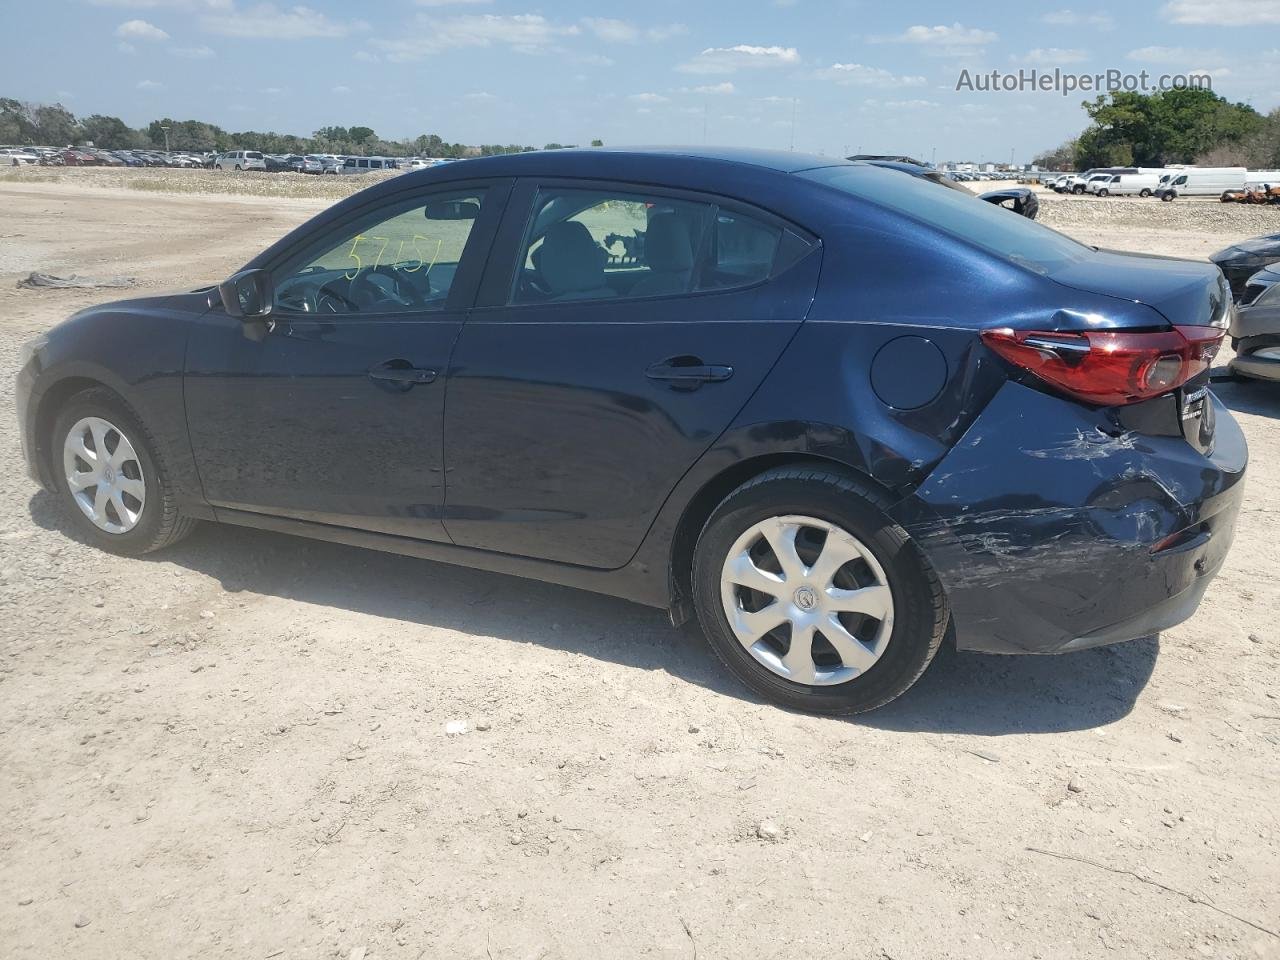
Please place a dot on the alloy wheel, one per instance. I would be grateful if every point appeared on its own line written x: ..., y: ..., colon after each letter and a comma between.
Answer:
x: 807, y: 599
x: 104, y: 474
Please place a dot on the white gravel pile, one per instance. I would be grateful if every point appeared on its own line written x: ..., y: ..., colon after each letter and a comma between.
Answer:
x: 1121, y: 213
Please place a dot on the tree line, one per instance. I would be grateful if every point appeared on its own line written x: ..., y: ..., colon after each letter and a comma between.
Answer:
x: 1173, y: 126
x: 53, y: 125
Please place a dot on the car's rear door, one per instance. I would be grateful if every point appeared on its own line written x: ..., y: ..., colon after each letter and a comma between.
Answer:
x: 578, y: 396
x: 335, y: 415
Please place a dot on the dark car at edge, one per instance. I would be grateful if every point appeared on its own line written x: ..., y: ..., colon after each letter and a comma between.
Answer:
x: 832, y: 412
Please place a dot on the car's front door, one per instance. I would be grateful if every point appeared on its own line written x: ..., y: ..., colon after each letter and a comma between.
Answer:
x: 619, y: 330
x: 335, y: 415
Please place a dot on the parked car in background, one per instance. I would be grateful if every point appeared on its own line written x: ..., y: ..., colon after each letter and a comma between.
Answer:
x: 17, y: 157
x: 1130, y: 185
x: 757, y: 397
x: 1203, y: 182
x: 79, y: 158
x: 368, y: 164
x: 275, y: 163
x: 1242, y: 260
x: 1255, y: 328
x: 312, y: 164
x: 1097, y: 182
x: 242, y: 160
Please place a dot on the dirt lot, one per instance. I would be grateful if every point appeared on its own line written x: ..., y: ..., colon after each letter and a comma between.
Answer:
x: 239, y: 748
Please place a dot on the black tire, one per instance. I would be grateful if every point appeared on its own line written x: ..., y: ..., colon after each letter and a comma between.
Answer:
x: 1102, y: 192
x: 920, y: 605
x: 1078, y: 189
x: 1144, y: 193
x: 160, y: 525
x: 1167, y: 197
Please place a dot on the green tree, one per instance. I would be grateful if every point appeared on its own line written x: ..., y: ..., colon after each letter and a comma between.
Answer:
x: 360, y: 135
x: 1061, y: 157
x: 54, y: 125
x: 597, y: 143
x: 109, y: 133
x: 15, y: 122
x: 1150, y: 130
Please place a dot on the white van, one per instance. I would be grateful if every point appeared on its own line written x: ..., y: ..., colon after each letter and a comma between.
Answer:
x: 1257, y: 178
x: 368, y: 164
x: 1203, y: 182
x: 242, y: 160
x: 1098, y: 181
x: 1129, y: 184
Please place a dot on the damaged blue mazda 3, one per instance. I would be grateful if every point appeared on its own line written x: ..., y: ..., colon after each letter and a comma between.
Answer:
x: 832, y: 411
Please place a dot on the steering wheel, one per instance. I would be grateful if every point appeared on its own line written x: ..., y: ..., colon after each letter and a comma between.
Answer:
x: 402, y: 293
x: 330, y: 298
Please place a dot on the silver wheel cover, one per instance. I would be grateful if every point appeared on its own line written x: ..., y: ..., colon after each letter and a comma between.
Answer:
x: 104, y: 475
x: 808, y: 600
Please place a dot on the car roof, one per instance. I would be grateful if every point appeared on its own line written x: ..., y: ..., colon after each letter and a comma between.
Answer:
x: 601, y: 161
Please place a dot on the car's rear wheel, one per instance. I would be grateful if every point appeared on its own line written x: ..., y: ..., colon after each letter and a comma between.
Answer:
x: 812, y: 596
x: 112, y: 478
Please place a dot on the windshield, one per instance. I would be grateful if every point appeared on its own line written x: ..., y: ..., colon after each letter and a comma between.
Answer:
x: 985, y: 225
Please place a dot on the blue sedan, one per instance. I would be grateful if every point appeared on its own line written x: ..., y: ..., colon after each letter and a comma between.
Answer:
x: 835, y: 412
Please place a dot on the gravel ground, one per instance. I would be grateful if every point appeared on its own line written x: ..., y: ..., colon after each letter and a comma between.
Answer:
x: 254, y: 746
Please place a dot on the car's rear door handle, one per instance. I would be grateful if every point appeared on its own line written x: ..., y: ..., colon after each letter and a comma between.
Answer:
x: 688, y: 373
x: 402, y: 373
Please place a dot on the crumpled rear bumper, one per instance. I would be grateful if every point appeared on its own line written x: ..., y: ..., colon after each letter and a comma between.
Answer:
x: 1050, y: 535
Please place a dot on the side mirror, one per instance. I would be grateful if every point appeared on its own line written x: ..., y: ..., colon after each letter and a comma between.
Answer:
x: 247, y: 295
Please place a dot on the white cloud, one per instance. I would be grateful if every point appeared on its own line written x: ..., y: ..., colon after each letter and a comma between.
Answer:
x: 266, y: 21
x: 1176, y: 55
x: 150, y: 85
x: 647, y: 98
x: 480, y: 96
x: 1217, y: 13
x: 909, y: 104
x: 943, y: 37
x: 624, y: 31
x: 596, y: 60
x: 125, y: 47
x: 1071, y: 18
x: 716, y: 88
x: 158, y: 4
x: 140, y: 30
x: 743, y: 56
x: 1052, y: 56
x: 524, y: 33
x: 612, y: 31
x: 666, y: 32
x: 193, y: 53
x: 860, y: 75
x: 340, y: 89
x: 449, y: 3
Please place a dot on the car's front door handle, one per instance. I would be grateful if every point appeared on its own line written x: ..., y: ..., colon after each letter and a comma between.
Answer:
x: 401, y: 373
x: 688, y: 373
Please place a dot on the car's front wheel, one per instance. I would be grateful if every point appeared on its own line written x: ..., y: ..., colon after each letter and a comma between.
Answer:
x: 112, y: 478
x: 812, y: 596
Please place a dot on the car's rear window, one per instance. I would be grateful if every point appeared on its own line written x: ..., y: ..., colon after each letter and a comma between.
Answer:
x: 986, y: 225
x: 254, y: 155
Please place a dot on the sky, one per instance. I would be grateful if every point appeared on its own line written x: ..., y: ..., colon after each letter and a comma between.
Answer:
x: 829, y: 77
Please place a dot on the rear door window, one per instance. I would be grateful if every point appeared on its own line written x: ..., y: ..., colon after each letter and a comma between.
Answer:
x: 607, y: 244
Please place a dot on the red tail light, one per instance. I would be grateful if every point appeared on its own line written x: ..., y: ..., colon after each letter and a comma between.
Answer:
x: 1110, y: 367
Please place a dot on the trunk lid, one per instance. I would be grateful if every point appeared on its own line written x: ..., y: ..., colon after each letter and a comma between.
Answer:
x: 1184, y: 292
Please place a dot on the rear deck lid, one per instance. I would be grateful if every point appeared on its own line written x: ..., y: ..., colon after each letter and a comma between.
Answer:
x: 1184, y: 292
